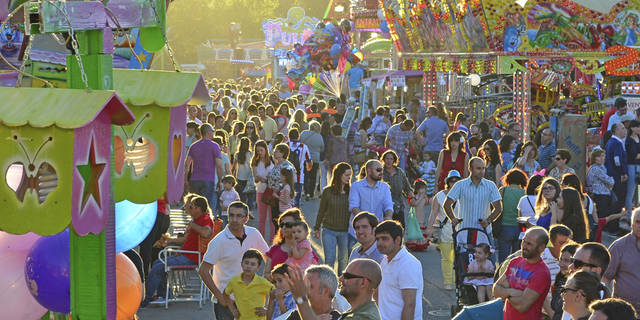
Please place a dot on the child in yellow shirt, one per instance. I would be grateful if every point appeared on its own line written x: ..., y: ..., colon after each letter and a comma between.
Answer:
x: 250, y: 290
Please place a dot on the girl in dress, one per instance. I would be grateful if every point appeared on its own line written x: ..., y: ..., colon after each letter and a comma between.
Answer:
x: 419, y: 203
x: 301, y: 254
x: 481, y: 264
x: 286, y: 193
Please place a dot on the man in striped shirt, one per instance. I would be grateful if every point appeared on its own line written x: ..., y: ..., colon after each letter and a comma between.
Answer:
x: 474, y: 195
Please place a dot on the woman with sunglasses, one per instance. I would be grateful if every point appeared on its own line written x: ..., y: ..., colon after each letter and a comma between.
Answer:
x: 546, y: 206
x: 283, y: 240
x: 250, y: 130
x: 582, y: 288
x: 561, y: 162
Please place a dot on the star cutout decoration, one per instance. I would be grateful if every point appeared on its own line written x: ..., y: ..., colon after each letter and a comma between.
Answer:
x: 91, y: 173
x: 142, y: 56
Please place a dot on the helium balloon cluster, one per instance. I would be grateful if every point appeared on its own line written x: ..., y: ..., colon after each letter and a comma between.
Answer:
x: 327, y: 49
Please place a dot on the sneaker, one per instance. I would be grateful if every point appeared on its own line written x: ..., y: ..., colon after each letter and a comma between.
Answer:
x: 159, y: 300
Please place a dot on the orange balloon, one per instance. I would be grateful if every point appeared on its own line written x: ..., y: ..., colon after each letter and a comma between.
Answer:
x: 128, y: 287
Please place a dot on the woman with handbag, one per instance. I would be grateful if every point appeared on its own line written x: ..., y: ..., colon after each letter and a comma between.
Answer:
x: 444, y: 231
x: 261, y: 166
x: 280, y: 155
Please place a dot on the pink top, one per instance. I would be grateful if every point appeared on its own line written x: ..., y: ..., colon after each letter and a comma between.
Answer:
x: 284, y: 202
x: 277, y: 255
x: 306, y: 260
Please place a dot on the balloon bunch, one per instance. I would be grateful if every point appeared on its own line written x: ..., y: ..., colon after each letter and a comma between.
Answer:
x: 35, y: 270
x: 327, y: 49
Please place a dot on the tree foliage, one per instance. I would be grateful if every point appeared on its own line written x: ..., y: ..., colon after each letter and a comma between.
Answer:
x: 191, y: 23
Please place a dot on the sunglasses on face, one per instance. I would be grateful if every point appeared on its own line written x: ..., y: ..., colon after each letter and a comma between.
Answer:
x: 286, y: 224
x: 348, y: 276
x: 565, y: 289
x: 578, y: 264
x: 379, y: 170
x: 548, y: 189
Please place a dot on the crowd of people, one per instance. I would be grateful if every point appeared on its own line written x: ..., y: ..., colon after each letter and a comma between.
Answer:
x: 260, y: 150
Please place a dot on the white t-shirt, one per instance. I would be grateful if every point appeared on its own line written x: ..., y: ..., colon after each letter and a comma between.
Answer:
x: 527, y: 206
x: 615, y: 118
x: 404, y: 271
x: 446, y: 233
x: 225, y: 253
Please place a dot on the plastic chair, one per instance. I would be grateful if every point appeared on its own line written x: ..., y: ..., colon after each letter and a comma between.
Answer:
x: 183, y: 282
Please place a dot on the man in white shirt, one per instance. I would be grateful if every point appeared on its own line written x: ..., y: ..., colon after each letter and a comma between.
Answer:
x: 224, y: 255
x: 400, y: 292
x: 621, y: 106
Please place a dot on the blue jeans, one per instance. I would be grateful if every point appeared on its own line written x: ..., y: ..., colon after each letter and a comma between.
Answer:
x: 330, y: 239
x: 206, y: 189
x: 298, y: 187
x: 507, y: 241
x: 157, y: 276
x: 633, y: 170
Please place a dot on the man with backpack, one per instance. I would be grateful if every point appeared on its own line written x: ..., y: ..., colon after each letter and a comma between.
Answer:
x: 299, y: 157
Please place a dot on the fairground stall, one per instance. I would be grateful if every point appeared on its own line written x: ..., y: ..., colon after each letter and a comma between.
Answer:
x: 539, y: 63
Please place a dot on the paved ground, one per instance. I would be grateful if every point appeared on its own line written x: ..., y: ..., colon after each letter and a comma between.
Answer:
x: 436, y: 302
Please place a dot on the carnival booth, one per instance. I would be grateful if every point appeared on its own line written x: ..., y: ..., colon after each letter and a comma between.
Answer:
x: 392, y: 88
x: 70, y: 154
x: 545, y: 55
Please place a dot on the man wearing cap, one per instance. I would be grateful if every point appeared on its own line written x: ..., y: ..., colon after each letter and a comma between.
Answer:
x: 621, y: 110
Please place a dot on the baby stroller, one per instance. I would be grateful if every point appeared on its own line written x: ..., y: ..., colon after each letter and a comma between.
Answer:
x: 464, y: 242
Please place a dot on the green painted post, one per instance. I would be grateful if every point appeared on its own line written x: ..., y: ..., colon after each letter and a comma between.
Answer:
x: 92, y: 256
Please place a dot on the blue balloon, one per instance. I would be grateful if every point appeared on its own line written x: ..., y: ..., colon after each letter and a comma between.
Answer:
x: 384, y: 26
x: 335, y: 49
x: 47, y: 272
x: 133, y: 223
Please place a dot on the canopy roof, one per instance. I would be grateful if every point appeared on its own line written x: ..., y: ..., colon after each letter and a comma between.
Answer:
x: 162, y: 88
x: 64, y: 108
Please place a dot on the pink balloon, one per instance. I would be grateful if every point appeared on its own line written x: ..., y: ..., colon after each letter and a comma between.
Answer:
x: 16, y: 302
x: 17, y: 243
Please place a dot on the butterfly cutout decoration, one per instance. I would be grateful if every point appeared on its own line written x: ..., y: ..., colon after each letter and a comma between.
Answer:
x: 136, y: 152
x: 22, y: 177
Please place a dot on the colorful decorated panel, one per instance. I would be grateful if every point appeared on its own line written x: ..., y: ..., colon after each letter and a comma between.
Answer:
x: 506, y: 26
x: 55, y: 158
x: 143, y: 171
